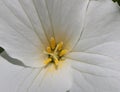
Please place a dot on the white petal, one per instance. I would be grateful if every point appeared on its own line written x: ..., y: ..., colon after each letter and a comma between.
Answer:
x: 18, y: 79
x: 19, y: 47
x: 53, y: 81
x: 14, y: 18
x: 16, y: 10
x: 84, y: 82
x: 92, y: 42
x: 32, y: 14
x: 96, y: 62
x: 11, y: 75
x: 110, y: 49
x: 94, y: 73
x: 90, y: 58
x: 106, y: 18
x: 59, y: 18
x: 102, y: 24
x: 18, y: 39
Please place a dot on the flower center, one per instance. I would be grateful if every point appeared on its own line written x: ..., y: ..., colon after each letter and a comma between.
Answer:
x: 55, y: 52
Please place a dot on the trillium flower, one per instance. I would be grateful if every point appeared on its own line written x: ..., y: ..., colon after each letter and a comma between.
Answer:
x: 63, y: 45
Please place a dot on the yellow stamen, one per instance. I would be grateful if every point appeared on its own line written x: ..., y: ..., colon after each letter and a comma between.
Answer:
x: 49, y: 50
x: 60, y: 45
x: 53, y: 43
x: 47, y: 61
x: 56, y: 62
x: 62, y: 53
x: 55, y: 53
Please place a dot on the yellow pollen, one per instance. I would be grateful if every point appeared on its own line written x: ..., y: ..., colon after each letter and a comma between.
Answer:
x: 52, y: 43
x: 49, y: 50
x: 60, y: 45
x: 47, y: 61
x: 62, y: 53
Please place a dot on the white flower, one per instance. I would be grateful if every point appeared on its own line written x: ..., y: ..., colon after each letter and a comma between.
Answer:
x: 64, y: 45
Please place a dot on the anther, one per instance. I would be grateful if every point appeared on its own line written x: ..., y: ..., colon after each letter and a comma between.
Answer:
x: 62, y: 53
x: 60, y: 45
x: 52, y: 43
x: 47, y: 61
x: 49, y: 50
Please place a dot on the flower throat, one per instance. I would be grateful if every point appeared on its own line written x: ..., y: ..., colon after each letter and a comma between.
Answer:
x: 55, y: 52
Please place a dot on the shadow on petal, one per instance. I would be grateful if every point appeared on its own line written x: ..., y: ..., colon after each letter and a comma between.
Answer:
x: 12, y: 60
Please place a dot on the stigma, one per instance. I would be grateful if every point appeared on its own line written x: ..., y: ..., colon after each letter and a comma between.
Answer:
x: 55, y: 52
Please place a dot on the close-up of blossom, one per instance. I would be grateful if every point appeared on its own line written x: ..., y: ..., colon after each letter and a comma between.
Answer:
x: 59, y: 46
